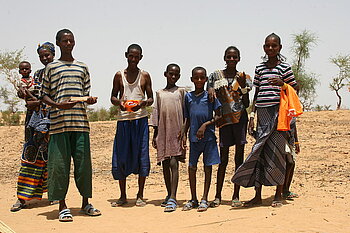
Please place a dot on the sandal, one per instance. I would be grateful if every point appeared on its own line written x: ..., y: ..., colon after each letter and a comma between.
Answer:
x: 290, y: 195
x: 165, y: 202
x: 190, y: 205
x: 65, y: 216
x: 277, y: 204
x: 171, y: 205
x: 203, y: 206
x: 17, y: 206
x: 90, y: 210
x: 140, y: 202
x: 215, y: 203
x: 120, y: 202
x: 236, y: 203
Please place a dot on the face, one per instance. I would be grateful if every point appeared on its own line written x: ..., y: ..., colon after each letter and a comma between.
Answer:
x: 199, y: 77
x: 172, y: 75
x: 45, y: 56
x: 231, y: 58
x: 134, y: 56
x: 272, y: 47
x: 25, y: 69
x: 66, y: 43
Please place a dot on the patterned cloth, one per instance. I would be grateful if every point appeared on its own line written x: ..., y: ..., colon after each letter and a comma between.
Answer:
x: 266, y: 164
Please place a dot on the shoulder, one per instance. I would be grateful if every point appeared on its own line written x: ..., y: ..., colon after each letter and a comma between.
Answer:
x: 260, y: 66
x: 285, y: 66
x: 145, y: 74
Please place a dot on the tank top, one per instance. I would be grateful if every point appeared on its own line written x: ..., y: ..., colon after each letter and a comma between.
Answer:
x: 132, y: 91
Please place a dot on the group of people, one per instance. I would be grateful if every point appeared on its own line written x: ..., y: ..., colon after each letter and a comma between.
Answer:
x: 64, y: 86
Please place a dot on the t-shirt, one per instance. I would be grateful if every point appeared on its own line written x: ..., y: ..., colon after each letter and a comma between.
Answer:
x: 200, y: 110
x: 269, y: 95
x: 63, y: 80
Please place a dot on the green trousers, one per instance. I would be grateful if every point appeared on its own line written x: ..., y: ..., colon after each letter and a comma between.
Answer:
x: 63, y: 147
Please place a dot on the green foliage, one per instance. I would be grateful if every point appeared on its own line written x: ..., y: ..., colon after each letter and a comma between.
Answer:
x: 9, y: 62
x: 98, y: 115
x: 10, y: 118
x: 307, y: 82
x: 322, y: 108
x: 343, y: 77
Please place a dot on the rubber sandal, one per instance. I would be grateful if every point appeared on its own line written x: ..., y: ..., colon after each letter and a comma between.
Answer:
x: 90, y: 210
x: 65, y: 216
x: 17, y: 206
x: 236, y: 203
x: 171, y: 205
x: 290, y: 195
x: 277, y: 204
x: 203, y: 206
x: 190, y: 205
x: 165, y: 202
x: 215, y: 203
x: 140, y: 202
x: 120, y: 202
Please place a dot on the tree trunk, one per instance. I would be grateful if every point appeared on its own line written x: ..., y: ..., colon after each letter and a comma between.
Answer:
x: 339, y: 100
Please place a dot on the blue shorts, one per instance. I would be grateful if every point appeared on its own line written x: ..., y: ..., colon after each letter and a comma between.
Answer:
x: 131, y: 149
x: 210, y: 153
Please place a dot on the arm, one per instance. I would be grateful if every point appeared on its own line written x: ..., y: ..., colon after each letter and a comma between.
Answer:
x: 210, y: 88
x: 296, y: 141
x: 148, y: 90
x: 155, y: 134
x: 183, y: 133
x: 117, y: 91
x: 252, y: 114
x: 63, y: 105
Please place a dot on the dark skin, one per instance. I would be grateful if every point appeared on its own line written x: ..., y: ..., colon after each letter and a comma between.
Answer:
x: 272, y: 48
x: 24, y: 69
x: 170, y: 166
x: 231, y: 58
x: 66, y: 45
x: 133, y: 57
x: 199, y: 78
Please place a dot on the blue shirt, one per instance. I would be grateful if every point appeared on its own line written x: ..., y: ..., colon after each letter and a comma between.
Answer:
x: 199, y: 110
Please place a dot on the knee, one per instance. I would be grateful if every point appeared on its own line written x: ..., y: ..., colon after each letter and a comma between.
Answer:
x: 192, y: 169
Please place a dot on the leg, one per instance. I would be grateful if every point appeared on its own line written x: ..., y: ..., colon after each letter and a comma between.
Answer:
x: 139, y: 198
x: 224, y: 151
x: 174, y: 167
x: 256, y: 200
x: 239, y: 154
x: 193, y: 182
x: 167, y: 175
x: 288, y: 180
x: 207, y: 180
x: 277, y: 200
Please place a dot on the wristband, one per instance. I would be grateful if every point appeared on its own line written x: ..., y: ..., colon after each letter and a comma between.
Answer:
x: 296, y: 143
x: 252, y: 114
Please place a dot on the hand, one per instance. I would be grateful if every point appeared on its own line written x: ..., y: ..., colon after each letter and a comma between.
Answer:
x: 21, y: 93
x: 121, y: 104
x: 32, y: 105
x: 251, y: 126
x: 297, y: 148
x: 67, y: 104
x: 154, y: 143
x: 200, y: 132
x: 136, y: 107
x: 242, y: 80
x: 91, y: 100
x: 183, y: 142
x: 276, y: 81
x: 212, y: 94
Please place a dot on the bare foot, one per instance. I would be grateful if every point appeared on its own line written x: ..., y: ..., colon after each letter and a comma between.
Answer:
x: 253, y: 202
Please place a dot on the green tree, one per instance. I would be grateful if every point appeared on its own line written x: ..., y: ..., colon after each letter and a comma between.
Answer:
x: 343, y: 77
x: 302, y: 44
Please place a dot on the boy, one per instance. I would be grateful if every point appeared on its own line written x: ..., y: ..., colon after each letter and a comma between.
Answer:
x: 131, y: 149
x: 69, y: 129
x: 199, y: 118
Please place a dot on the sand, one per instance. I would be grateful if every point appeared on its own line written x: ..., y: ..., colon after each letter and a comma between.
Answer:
x: 322, y: 180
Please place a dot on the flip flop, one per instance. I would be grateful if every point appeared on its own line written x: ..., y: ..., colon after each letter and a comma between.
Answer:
x: 290, y: 195
x: 203, y: 206
x: 171, y: 205
x: 17, y: 206
x: 190, y: 205
x: 236, y: 203
x: 277, y: 204
x: 215, y: 203
x: 120, y: 202
x: 65, y: 216
x: 140, y: 202
x: 90, y: 210
x: 165, y: 202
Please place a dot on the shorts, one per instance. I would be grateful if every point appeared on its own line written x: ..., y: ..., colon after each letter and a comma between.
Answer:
x: 131, y: 149
x: 210, y: 153
x: 234, y: 134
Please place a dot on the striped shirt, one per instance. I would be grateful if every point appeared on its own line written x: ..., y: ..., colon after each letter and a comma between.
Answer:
x: 269, y: 95
x: 63, y: 80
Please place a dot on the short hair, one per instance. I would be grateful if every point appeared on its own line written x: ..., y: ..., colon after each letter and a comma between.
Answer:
x: 134, y: 46
x: 233, y: 48
x: 273, y: 35
x: 24, y: 62
x: 171, y: 65
x: 61, y: 32
x: 199, y: 68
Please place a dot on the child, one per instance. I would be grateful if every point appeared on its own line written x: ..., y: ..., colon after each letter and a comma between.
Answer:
x: 167, y: 119
x: 69, y: 128
x: 199, y: 119
x: 26, y: 86
x: 131, y: 143
x: 266, y: 164
x: 232, y: 89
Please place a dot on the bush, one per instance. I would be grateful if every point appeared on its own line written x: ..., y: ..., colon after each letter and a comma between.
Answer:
x: 10, y: 118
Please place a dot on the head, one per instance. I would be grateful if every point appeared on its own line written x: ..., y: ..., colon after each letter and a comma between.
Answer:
x: 172, y: 74
x: 232, y: 56
x: 272, y: 46
x: 46, y: 52
x: 24, y: 68
x: 134, y: 54
x: 199, y: 77
x: 65, y: 40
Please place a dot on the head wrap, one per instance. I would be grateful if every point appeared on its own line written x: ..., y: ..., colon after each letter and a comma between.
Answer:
x: 47, y: 45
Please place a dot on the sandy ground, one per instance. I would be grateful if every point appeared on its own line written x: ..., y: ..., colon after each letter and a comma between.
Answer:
x: 322, y: 179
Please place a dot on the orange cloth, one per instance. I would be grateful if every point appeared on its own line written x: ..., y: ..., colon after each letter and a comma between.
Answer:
x: 290, y: 107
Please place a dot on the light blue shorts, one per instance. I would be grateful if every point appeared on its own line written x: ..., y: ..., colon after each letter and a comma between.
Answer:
x: 210, y: 153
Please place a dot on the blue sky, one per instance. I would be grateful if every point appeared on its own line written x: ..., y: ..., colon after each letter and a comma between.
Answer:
x: 189, y: 33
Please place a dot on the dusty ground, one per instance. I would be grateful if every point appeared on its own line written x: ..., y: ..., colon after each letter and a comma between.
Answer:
x: 322, y: 178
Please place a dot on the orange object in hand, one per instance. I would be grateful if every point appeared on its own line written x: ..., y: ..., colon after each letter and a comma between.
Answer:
x: 129, y: 104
